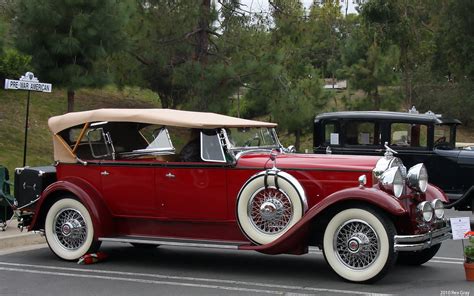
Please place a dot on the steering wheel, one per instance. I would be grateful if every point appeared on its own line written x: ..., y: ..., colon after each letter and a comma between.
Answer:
x: 250, y: 140
x: 440, y: 140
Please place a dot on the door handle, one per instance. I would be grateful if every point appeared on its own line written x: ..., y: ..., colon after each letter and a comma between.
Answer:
x: 104, y: 173
x: 170, y: 175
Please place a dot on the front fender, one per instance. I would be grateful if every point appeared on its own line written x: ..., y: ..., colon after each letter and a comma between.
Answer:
x: 433, y: 192
x: 86, y: 194
x: 299, y: 233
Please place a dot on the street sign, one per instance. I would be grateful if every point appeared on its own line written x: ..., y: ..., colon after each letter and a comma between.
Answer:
x: 28, y: 82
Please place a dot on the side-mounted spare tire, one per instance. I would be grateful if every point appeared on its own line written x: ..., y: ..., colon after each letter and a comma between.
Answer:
x: 268, y: 205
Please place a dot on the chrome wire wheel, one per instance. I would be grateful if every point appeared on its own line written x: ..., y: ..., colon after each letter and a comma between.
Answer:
x: 356, y: 244
x: 270, y: 210
x: 267, y: 208
x: 70, y: 229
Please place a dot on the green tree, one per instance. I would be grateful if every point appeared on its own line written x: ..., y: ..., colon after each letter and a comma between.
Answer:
x: 325, y: 33
x: 454, y: 40
x: 13, y: 64
x: 405, y: 23
x: 445, y: 82
x: 289, y: 84
x: 188, y: 55
x: 66, y: 39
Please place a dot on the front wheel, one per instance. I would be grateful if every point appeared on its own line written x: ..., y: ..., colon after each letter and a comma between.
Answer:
x: 419, y: 257
x: 69, y: 229
x: 358, y: 244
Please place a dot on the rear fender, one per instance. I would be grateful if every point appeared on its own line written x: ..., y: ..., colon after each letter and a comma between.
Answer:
x: 85, y: 193
x: 297, y: 237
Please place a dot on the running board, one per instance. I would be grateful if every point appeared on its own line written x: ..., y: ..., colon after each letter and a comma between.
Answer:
x: 166, y: 241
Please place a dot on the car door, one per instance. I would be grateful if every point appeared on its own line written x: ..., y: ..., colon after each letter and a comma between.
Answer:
x: 129, y: 188
x: 192, y: 191
x: 194, y: 186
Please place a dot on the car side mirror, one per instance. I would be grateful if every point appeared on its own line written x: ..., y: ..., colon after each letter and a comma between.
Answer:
x: 290, y: 149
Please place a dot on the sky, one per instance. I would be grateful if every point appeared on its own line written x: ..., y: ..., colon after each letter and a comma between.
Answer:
x: 262, y: 5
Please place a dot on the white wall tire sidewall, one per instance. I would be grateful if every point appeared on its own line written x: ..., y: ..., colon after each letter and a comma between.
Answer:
x: 244, y: 197
x: 342, y: 270
x: 54, y: 245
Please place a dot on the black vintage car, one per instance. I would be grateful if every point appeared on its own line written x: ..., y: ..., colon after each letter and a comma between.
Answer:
x: 427, y: 138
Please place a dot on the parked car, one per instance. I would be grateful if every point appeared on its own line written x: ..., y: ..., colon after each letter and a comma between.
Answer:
x: 417, y: 138
x: 179, y: 178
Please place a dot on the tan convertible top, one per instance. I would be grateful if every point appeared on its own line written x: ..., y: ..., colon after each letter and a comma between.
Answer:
x: 188, y: 119
x: 168, y: 117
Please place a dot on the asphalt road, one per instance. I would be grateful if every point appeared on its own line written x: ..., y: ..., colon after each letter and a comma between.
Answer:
x: 186, y: 271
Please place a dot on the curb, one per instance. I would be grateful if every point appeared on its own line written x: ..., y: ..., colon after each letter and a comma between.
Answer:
x: 22, y: 239
x: 12, y: 237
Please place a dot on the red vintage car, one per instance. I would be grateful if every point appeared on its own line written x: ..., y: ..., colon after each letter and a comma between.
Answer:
x: 169, y: 177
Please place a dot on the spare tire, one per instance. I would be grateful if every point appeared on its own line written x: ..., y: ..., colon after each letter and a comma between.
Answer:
x: 268, y: 205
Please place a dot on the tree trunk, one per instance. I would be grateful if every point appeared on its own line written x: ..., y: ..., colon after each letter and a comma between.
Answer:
x: 164, y: 99
x: 70, y: 100
x: 297, y: 139
x: 202, y: 38
x: 377, y: 103
x: 406, y: 71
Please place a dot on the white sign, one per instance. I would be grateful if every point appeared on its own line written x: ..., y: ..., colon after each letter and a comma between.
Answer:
x: 459, y: 226
x: 28, y: 82
x: 334, y: 140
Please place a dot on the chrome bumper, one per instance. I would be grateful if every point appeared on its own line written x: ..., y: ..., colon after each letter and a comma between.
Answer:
x: 420, y: 242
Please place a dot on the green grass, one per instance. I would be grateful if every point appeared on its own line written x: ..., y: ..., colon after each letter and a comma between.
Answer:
x: 42, y: 107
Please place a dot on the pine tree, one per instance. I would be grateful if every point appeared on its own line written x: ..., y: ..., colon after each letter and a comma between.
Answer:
x: 67, y: 38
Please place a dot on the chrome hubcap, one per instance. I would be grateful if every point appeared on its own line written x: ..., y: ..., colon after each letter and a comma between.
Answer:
x: 356, y: 244
x: 70, y: 229
x: 270, y: 210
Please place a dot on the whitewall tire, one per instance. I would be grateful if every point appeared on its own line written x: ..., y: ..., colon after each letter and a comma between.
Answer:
x: 69, y: 229
x: 358, y: 244
x: 265, y: 213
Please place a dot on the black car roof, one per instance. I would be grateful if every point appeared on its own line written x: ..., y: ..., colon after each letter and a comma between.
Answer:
x: 387, y: 115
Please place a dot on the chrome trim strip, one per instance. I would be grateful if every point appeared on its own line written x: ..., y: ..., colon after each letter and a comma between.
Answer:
x: 421, y: 241
x: 175, y: 243
x: 422, y: 246
x: 421, y: 237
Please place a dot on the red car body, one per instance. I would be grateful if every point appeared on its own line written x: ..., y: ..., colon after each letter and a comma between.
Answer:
x: 155, y: 201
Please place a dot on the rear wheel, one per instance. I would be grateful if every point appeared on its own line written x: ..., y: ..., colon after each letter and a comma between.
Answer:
x: 358, y: 244
x: 69, y: 229
x: 419, y: 257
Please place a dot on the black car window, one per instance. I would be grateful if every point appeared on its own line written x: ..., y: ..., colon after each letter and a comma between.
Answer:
x: 409, y: 135
x: 442, y: 136
x: 362, y: 133
x: 331, y: 133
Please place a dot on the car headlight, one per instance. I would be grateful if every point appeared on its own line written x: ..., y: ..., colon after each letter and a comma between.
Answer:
x: 438, y: 207
x: 425, y: 210
x: 386, y: 163
x: 392, y: 180
x: 417, y: 178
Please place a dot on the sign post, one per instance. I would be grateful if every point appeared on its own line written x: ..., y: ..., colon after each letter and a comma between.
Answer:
x: 30, y: 83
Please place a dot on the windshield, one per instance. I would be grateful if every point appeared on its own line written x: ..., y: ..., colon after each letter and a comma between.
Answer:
x: 251, y: 138
x: 443, y: 136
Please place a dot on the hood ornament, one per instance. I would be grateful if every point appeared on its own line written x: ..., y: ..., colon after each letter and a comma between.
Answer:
x: 273, y: 157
